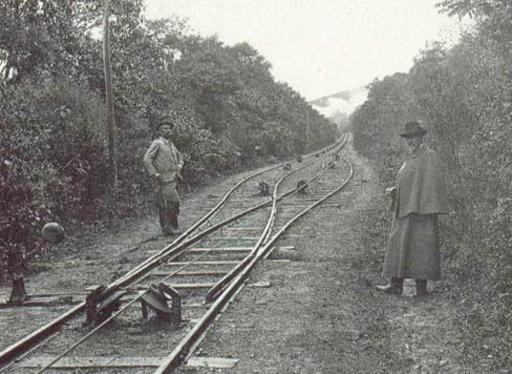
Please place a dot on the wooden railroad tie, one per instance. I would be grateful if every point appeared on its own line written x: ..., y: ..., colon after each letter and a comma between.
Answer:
x: 104, y: 362
x: 231, y: 249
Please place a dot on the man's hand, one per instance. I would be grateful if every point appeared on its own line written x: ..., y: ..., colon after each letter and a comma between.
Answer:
x: 156, y: 177
x: 389, y: 191
x: 179, y: 176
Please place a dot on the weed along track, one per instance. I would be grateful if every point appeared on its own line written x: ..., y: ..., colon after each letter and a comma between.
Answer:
x: 151, y: 318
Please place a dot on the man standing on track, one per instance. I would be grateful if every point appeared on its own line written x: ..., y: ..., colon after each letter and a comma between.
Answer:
x: 419, y: 196
x: 164, y: 162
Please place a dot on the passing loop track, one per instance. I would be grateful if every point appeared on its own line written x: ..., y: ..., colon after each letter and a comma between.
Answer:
x: 185, y: 346
x: 219, y: 294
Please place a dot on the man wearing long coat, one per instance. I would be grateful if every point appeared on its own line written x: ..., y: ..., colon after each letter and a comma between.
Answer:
x: 419, y: 196
x: 163, y: 163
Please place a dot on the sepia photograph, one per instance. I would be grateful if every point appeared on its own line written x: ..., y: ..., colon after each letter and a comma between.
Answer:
x: 256, y: 186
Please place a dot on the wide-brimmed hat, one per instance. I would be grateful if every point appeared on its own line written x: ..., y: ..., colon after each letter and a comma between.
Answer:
x: 166, y: 121
x: 413, y: 129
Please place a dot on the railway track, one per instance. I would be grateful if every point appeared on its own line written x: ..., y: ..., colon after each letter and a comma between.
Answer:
x: 206, y: 265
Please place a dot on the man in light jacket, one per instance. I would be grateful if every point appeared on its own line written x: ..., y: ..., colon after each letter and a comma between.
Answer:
x: 163, y: 163
x: 419, y: 196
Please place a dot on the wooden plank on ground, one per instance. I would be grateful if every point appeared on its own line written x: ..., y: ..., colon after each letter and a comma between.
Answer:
x: 255, y: 238
x: 295, y: 206
x: 93, y: 362
x: 192, y: 285
x: 191, y: 273
x: 212, y: 362
x: 242, y: 228
x: 231, y: 249
x: 220, y: 249
x: 43, y: 301
x: 203, y: 263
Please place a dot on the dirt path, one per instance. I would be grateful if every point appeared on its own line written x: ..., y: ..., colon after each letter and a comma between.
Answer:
x: 320, y: 313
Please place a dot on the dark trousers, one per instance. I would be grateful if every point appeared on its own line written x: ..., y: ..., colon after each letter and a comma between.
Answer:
x: 169, y: 218
x: 168, y: 204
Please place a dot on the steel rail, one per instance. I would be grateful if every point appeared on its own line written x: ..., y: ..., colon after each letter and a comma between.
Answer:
x: 27, y: 342
x: 138, y: 297
x: 157, y: 259
x: 171, y: 248
x: 33, y: 338
x: 196, y: 225
x: 221, y: 284
x: 224, y: 281
x: 225, y: 222
x: 181, y: 351
x: 110, y: 318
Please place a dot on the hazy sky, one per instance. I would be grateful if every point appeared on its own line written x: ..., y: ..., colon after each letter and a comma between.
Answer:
x: 320, y: 47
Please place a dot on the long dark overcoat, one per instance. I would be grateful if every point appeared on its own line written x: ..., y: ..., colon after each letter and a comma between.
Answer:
x: 420, y: 196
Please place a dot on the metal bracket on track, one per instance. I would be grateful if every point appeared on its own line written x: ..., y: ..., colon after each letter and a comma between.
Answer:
x: 156, y: 299
x: 264, y: 188
x: 301, y: 187
x: 102, y: 303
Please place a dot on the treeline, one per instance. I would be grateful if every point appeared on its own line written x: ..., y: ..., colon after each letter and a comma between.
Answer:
x: 231, y: 112
x: 463, y: 94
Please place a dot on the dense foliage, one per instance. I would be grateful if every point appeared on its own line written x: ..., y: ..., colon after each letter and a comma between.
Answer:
x: 231, y: 112
x: 463, y: 95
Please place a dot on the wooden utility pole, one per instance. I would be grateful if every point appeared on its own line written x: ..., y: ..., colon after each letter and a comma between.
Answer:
x: 111, y: 178
x: 307, y: 130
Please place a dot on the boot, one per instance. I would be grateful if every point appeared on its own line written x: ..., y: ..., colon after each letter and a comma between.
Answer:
x: 174, y: 221
x: 170, y: 230
x: 167, y: 222
x: 421, y: 287
x: 394, y: 287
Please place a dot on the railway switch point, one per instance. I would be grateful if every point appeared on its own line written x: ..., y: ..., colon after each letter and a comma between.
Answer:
x: 156, y: 299
x: 101, y: 303
x: 301, y: 187
x: 264, y: 188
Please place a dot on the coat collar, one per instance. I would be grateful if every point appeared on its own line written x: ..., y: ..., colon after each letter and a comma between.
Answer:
x: 164, y: 140
x: 419, y: 150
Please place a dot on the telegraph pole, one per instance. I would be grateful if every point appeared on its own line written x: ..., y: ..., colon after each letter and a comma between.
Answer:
x: 307, y: 130
x: 111, y: 178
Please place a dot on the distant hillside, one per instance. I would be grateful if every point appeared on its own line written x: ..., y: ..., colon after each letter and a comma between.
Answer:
x: 338, y: 106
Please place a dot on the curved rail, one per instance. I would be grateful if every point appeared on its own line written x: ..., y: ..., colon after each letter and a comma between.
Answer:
x: 215, y: 291
x: 184, y: 347
x: 141, y: 294
x: 174, y: 248
x: 33, y: 338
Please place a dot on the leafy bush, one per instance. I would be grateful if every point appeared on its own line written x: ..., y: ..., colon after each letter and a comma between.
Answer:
x: 462, y: 97
x: 52, y: 165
